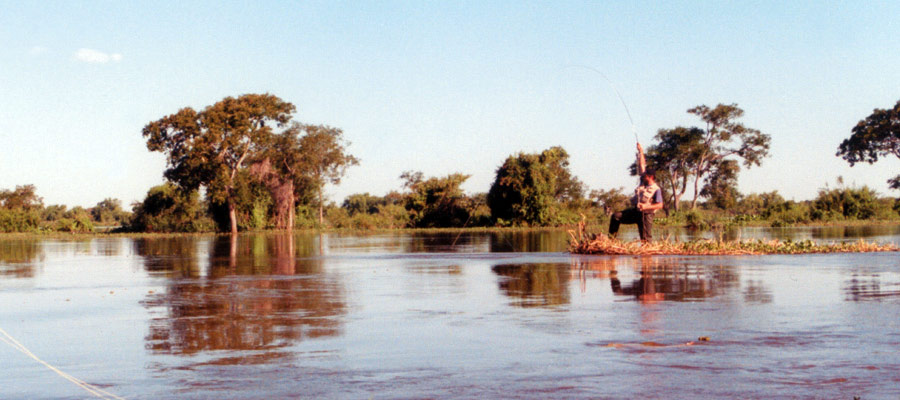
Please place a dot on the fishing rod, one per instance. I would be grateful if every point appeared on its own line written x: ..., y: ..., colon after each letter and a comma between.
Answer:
x: 619, y: 95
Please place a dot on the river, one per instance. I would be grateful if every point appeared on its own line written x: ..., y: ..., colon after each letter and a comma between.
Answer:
x: 449, y: 315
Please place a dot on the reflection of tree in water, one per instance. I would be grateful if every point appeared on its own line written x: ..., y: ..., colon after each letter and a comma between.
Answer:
x: 258, y: 296
x: 665, y: 280
x: 18, y: 257
x: 442, y: 242
x: 756, y: 292
x: 869, y: 287
x: 535, y: 284
x: 175, y: 257
x: 854, y: 231
x: 529, y: 241
x: 108, y: 246
x: 660, y: 278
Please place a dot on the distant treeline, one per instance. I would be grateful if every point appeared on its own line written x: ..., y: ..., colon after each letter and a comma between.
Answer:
x: 436, y: 202
x: 245, y: 164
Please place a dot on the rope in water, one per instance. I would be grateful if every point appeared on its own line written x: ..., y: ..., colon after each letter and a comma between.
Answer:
x: 8, y: 339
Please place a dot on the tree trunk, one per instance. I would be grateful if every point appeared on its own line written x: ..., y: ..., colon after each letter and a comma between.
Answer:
x: 696, y: 191
x: 675, y: 195
x: 232, y: 215
x: 321, y: 213
x: 291, y: 212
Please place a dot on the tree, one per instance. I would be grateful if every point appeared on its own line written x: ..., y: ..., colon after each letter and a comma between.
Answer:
x: 529, y: 188
x: 876, y: 136
x: 685, y: 153
x: 436, y: 202
x: 166, y: 208
x: 612, y: 200
x: 721, y: 186
x: 210, y: 147
x: 724, y: 137
x: 109, y: 212
x: 24, y: 197
x: 323, y: 158
x: 363, y: 203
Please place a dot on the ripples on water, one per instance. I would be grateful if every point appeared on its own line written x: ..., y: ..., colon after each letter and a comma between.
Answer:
x: 450, y: 315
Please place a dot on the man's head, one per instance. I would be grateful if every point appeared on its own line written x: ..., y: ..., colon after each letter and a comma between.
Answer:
x: 648, y: 177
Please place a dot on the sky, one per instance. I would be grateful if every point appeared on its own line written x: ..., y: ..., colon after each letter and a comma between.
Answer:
x: 443, y: 86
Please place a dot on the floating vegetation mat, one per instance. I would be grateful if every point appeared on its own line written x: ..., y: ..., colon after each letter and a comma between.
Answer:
x: 581, y: 243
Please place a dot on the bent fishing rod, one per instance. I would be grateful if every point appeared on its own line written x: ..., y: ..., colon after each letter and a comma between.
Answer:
x: 619, y: 95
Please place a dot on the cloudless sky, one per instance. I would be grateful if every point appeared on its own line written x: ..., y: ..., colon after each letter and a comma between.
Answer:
x: 442, y: 86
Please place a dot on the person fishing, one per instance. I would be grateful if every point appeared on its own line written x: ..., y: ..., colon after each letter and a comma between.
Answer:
x: 646, y: 201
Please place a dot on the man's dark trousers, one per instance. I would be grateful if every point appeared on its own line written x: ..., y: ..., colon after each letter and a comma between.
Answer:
x: 644, y: 222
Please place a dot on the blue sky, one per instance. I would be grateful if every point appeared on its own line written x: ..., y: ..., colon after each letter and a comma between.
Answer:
x: 442, y: 87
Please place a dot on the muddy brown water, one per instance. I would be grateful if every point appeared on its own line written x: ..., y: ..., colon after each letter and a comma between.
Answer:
x: 473, y: 315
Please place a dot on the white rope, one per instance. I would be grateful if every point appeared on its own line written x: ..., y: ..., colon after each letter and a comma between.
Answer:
x: 8, y: 339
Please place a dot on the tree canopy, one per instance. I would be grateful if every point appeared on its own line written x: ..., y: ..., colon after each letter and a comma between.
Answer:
x: 529, y: 188
x: 436, y: 201
x: 876, y: 136
x: 210, y: 147
x: 682, y: 154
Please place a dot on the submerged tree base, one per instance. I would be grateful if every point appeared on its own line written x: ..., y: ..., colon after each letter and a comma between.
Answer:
x: 581, y: 243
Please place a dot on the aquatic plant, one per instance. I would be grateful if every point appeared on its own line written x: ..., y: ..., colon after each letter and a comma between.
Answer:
x: 583, y: 243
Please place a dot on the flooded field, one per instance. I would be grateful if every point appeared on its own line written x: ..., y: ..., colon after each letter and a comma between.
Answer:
x: 472, y: 315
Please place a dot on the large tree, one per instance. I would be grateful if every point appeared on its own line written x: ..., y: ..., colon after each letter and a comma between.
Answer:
x: 694, y: 154
x: 23, y: 197
x: 724, y: 137
x: 209, y: 148
x: 435, y: 202
x: 529, y: 188
x: 876, y: 136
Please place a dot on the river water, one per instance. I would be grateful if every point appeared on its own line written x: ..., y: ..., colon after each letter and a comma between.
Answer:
x: 472, y: 315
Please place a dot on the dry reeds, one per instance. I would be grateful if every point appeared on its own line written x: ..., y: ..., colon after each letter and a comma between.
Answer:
x: 582, y: 243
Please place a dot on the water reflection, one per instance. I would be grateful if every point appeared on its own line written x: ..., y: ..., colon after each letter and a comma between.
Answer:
x: 18, y: 257
x: 528, y: 241
x: 871, y: 287
x: 659, y: 278
x: 175, y: 257
x: 258, y: 293
x: 533, y: 285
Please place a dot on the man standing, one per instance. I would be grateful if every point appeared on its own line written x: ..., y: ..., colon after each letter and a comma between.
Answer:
x: 647, y: 199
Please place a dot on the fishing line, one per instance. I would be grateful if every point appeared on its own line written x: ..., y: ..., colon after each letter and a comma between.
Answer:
x: 8, y: 339
x: 627, y: 112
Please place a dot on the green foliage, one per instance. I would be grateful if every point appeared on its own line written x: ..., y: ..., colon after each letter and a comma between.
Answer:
x: 363, y: 203
x: 210, y: 147
x: 611, y: 201
x: 306, y: 217
x: 168, y: 209
x: 20, y: 209
x: 435, y: 202
x: 699, y: 154
x: 721, y: 185
x: 76, y: 220
x: 791, y: 213
x: 876, y: 136
x: 109, y: 212
x: 24, y: 197
x: 19, y: 220
x: 845, y: 203
x: 530, y: 189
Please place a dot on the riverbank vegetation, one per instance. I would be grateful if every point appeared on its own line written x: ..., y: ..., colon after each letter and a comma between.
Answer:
x: 246, y: 164
x: 581, y: 243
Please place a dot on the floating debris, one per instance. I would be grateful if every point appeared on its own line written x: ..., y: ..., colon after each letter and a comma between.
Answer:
x: 584, y: 243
